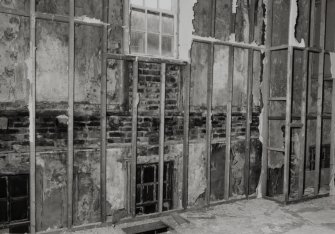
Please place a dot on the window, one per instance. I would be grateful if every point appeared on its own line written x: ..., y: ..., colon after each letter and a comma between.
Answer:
x: 152, y: 24
x: 147, y: 187
x: 14, y: 203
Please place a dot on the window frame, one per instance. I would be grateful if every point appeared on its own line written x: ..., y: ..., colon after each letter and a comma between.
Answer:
x: 10, y: 199
x: 174, y: 12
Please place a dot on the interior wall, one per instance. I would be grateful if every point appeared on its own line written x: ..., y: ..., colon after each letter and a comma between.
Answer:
x: 52, y: 95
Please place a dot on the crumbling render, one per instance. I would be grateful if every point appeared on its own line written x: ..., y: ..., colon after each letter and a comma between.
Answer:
x: 292, y: 24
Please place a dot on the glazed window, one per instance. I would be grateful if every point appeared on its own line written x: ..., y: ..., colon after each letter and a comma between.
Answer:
x: 14, y: 203
x: 147, y: 187
x: 152, y: 27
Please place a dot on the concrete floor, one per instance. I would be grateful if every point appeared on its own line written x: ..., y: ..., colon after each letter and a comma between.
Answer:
x: 257, y: 216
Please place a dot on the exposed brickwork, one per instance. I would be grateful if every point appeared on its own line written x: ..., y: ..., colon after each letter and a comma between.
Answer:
x: 16, y: 135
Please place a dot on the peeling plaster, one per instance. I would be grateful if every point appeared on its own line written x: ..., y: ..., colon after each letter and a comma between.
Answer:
x: 86, y: 19
x: 186, y: 29
x: 234, y: 6
x: 332, y: 64
x: 292, y: 24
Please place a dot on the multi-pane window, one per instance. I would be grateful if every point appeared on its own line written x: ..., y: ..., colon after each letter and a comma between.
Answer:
x: 147, y: 187
x: 153, y: 27
x: 14, y: 203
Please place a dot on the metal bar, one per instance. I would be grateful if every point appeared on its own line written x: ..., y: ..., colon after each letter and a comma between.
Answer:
x: 332, y: 145
x: 161, y: 138
x: 265, y: 89
x: 303, y: 127
x: 146, y: 59
x: 32, y: 118
x: 16, y: 12
x: 279, y: 47
x: 275, y: 99
x: 305, y: 78
x: 249, y: 99
x: 71, y: 118
x: 227, y: 43
x: 186, y: 75
x: 320, y: 99
x: 52, y: 17
x: 287, y: 123
x: 103, y: 117
x: 276, y: 149
x: 228, y: 121
x: 135, y: 101
x: 125, y: 42
x: 213, y: 16
x: 209, y: 123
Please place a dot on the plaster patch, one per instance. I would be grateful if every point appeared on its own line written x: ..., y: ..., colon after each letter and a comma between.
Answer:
x: 332, y: 64
x: 86, y: 19
x: 186, y: 29
x: 293, y: 21
x: 234, y: 6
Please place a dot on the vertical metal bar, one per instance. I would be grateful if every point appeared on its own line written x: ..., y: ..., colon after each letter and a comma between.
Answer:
x: 249, y: 99
x: 161, y: 138
x: 320, y: 98
x: 305, y: 79
x: 186, y: 76
x: 71, y: 118
x: 103, y: 113
x: 209, y: 122
x: 303, y: 122
x: 213, y: 16
x: 32, y: 117
x: 228, y: 122
x: 126, y: 22
x: 288, y: 123
x: 249, y: 121
x: 265, y: 88
x: 134, y: 140
x: 332, y: 145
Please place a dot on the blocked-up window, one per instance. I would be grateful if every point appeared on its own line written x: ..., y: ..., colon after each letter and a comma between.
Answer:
x: 147, y: 187
x: 152, y: 27
x: 14, y: 203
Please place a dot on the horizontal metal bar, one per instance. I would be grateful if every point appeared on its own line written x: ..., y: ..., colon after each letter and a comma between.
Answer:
x: 54, y: 17
x: 277, y: 99
x: 147, y: 59
x: 14, y: 12
x: 14, y: 224
x: 228, y: 43
x: 276, y: 149
x: 280, y: 47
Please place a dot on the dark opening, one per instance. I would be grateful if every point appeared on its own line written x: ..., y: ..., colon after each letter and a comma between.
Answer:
x: 14, y: 203
x: 148, y: 228
x: 147, y: 187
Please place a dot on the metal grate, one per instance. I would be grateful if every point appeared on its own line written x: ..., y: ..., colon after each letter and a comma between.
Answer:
x: 147, y: 187
x: 14, y: 203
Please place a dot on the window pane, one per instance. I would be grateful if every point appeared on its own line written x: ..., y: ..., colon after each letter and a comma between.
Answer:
x: 137, y: 41
x: 151, y: 3
x: 167, y: 46
x: 167, y: 24
x: 3, y: 211
x: 153, y: 44
x: 3, y: 187
x: 19, y: 209
x: 138, y: 20
x: 18, y: 186
x: 165, y: 4
x: 153, y: 22
x: 137, y: 2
